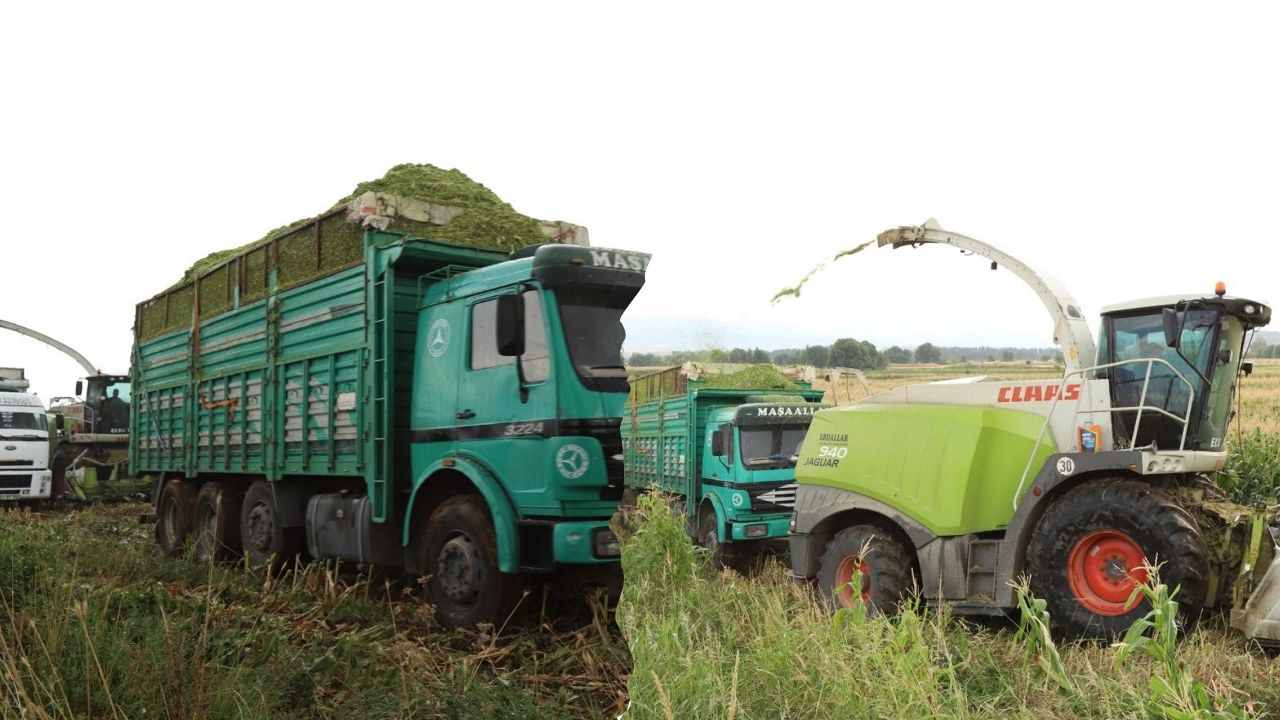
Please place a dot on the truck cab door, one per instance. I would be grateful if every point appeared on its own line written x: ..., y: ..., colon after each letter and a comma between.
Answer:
x: 441, y: 354
x: 496, y: 421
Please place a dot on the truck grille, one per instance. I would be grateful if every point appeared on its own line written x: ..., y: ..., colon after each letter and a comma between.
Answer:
x: 772, y: 498
x: 608, y: 432
x: 15, y: 482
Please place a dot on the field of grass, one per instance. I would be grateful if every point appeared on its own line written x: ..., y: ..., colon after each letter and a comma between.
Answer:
x: 94, y: 623
x: 709, y: 644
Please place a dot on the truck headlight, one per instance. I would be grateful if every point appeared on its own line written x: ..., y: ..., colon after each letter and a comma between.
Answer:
x: 605, y: 544
x: 757, y: 530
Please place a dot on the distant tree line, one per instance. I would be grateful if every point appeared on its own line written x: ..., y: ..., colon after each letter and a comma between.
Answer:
x: 1260, y: 348
x: 849, y: 352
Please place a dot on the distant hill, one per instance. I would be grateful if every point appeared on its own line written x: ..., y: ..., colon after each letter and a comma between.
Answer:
x: 1271, y: 336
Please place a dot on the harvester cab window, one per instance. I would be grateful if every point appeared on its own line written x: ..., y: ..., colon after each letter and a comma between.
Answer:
x: 1141, y: 337
x: 484, y: 338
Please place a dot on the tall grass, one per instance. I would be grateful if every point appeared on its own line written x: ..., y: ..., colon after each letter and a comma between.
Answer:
x: 1252, y: 473
x: 709, y: 644
x: 93, y: 623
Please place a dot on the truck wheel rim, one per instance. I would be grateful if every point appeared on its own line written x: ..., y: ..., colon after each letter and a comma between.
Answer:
x: 205, y: 529
x: 261, y: 529
x: 459, y: 569
x: 844, y: 580
x: 1103, y: 569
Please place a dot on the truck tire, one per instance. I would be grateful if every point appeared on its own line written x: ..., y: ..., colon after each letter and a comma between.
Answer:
x: 460, y: 555
x: 217, y: 522
x: 174, y: 512
x: 886, y: 568
x: 265, y: 540
x: 1086, y: 549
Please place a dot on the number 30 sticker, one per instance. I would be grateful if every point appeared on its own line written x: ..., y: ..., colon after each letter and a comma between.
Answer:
x: 1066, y: 466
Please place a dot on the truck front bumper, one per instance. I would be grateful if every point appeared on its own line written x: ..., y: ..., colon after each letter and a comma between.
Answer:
x: 26, y: 485
x: 584, y: 542
x: 759, y: 529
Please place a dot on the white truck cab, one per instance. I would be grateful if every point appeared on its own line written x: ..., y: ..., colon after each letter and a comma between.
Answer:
x: 24, y: 441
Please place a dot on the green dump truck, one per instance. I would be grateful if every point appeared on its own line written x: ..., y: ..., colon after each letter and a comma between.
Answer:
x: 728, y: 452
x: 388, y: 400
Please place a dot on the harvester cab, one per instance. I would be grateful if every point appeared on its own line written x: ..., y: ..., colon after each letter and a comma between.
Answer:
x: 1076, y: 481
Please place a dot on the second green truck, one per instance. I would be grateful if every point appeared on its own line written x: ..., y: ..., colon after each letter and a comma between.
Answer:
x: 725, y: 447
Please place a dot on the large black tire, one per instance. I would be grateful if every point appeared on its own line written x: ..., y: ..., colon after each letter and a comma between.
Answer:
x: 886, y: 568
x: 460, y: 554
x: 708, y: 538
x: 217, y: 522
x: 1087, y: 546
x: 265, y: 540
x: 174, y: 513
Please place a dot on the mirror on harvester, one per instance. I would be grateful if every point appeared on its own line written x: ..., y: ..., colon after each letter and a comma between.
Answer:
x: 1170, y: 318
x: 511, y: 325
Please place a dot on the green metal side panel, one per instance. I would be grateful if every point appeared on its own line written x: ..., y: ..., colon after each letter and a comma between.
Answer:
x: 658, y: 449
x: 953, y: 469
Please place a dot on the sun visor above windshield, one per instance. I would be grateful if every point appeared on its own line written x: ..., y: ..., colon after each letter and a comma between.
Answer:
x: 560, y: 264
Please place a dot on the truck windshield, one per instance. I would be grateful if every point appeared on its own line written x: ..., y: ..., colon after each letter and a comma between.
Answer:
x: 12, y: 424
x: 592, y: 320
x: 771, y: 446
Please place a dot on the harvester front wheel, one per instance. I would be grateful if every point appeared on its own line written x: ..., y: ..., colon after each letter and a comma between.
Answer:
x: 1089, y: 551
x: 217, y: 522
x: 460, y: 554
x: 173, y: 516
x: 881, y: 562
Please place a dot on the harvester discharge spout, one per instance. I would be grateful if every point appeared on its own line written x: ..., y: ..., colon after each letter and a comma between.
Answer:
x: 1070, y: 328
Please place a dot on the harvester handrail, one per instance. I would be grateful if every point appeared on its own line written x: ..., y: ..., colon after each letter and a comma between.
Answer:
x: 1140, y: 408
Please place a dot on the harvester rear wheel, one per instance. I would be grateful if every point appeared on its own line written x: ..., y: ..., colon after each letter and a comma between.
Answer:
x: 1088, y: 550
x: 883, y: 560
x: 174, y: 515
x: 460, y: 554
x: 217, y: 522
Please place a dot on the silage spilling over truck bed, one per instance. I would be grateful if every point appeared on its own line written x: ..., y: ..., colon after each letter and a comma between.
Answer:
x: 486, y: 220
x: 464, y: 212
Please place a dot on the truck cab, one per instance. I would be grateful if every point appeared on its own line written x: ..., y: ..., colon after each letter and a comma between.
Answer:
x: 748, y: 469
x: 24, y: 442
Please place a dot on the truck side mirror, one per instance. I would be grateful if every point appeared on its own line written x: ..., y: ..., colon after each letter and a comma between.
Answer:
x: 511, y: 325
x: 59, y: 423
x: 1246, y: 368
x: 717, y: 444
x: 79, y: 387
x: 1170, y: 318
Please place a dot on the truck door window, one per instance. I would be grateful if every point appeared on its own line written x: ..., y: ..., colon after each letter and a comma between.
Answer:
x: 484, y: 338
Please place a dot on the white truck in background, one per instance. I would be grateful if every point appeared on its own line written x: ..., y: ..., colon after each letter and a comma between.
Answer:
x: 24, y: 441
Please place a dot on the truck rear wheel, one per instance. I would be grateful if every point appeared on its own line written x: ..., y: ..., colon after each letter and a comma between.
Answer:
x: 883, y: 560
x: 266, y: 541
x: 174, y: 515
x: 1087, y: 553
x: 217, y: 522
x: 460, y: 554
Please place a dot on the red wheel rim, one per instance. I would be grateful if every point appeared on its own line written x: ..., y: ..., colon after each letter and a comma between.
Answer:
x: 1103, y: 569
x: 844, y: 580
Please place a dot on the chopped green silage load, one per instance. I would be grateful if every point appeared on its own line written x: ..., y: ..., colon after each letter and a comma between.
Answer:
x: 756, y: 377
x: 485, y: 221
x: 465, y: 213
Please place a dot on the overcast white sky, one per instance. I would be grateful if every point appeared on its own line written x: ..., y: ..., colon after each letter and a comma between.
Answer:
x: 1130, y: 149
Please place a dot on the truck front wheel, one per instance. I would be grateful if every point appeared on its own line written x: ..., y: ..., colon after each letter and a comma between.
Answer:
x: 460, y: 555
x: 173, y: 516
x: 1089, y: 550
x: 881, y: 562
x: 217, y: 522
